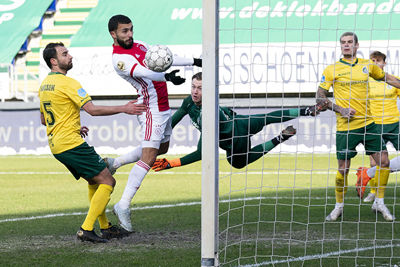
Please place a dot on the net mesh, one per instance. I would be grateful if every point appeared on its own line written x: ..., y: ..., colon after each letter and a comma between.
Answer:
x: 272, y: 211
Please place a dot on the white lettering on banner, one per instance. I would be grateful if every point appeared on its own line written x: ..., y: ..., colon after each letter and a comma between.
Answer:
x: 5, y: 133
x: 6, y: 17
x: 321, y: 8
x: 15, y: 4
x: 244, y: 68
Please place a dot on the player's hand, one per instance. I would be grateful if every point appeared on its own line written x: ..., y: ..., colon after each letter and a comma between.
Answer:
x: 135, y: 109
x: 198, y: 62
x: 84, y: 131
x: 172, y: 77
x: 347, y: 112
x: 163, y: 164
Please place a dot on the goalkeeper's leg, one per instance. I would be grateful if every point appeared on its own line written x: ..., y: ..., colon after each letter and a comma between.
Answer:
x: 242, y: 157
x: 258, y: 121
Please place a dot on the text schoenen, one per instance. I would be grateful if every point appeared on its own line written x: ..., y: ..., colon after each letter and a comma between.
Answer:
x: 362, y: 181
x: 114, y: 232
x: 369, y: 198
x: 90, y: 236
x: 383, y: 210
x: 335, y: 213
x: 124, y: 217
x: 110, y: 165
x: 316, y: 109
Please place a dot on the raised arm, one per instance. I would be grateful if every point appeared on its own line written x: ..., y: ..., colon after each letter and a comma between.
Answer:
x: 129, y: 108
x: 392, y: 80
x: 322, y: 95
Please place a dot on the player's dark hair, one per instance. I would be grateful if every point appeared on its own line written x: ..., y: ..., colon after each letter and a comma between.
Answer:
x: 378, y: 54
x: 117, y: 19
x: 50, y: 52
x: 197, y: 76
x: 350, y: 34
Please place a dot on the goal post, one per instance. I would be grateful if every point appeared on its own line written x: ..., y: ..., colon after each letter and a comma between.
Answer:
x: 209, y: 184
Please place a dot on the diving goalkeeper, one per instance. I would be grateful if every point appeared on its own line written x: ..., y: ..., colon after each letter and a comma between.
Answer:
x: 234, y: 130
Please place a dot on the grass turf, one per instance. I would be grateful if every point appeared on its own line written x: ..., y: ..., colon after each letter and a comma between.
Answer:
x: 273, y: 211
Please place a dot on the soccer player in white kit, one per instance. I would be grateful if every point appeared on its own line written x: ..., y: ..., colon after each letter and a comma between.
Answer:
x: 128, y: 61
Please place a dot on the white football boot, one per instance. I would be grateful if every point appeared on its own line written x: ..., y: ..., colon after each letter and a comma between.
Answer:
x: 124, y: 217
x: 381, y: 207
x: 369, y: 198
x: 110, y: 165
x: 335, y: 213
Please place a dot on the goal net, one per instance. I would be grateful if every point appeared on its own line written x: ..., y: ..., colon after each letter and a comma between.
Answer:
x: 272, y: 211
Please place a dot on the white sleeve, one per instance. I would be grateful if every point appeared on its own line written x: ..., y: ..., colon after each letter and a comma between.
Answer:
x: 127, y: 66
x: 142, y: 72
x: 182, y: 61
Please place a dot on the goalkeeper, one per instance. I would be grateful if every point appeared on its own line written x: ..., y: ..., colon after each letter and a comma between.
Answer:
x: 235, y: 130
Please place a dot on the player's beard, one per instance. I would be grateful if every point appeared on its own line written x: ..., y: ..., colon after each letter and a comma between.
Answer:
x: 65, y: 67
x: 125, y: 45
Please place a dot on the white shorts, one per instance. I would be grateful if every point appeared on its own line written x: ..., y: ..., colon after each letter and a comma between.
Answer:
x: 156, y: 128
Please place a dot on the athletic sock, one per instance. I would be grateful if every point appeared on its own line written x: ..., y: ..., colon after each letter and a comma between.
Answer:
x: 341, y: 187
x: 103, y: 220
x: 372, y: 184
x: 97, y: 205
x: 394, y: 167
x: 382, y: 178
x: 135, y: 179
x: 129, y: 157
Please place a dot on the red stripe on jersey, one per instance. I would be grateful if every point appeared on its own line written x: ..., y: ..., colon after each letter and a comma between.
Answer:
x: 146, y: 100
x: 133, y: 68
x: 162, y: 95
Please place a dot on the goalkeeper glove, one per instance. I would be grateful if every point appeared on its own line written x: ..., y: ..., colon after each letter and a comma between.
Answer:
x: 163, y: 164
x: 198, y: 62
x: 171, y: 77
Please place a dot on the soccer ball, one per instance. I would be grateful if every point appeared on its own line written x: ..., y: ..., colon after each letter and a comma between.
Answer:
x: 158, y: 58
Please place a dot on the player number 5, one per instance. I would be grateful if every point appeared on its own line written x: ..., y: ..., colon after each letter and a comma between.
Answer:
x: 47, y: 108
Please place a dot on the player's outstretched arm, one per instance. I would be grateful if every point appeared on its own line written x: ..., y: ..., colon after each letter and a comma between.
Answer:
x: 182, y: 61
x: 129, y: 108
x: 322, y: 98
x: 392, y: 80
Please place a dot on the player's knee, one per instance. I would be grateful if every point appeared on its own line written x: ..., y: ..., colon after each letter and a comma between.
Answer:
x: 238, y: 164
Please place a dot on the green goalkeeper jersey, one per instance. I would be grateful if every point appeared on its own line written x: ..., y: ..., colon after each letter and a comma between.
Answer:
x: 226, y: 126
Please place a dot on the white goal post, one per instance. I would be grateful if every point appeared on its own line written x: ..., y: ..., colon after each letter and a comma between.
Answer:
x: 209, y: 184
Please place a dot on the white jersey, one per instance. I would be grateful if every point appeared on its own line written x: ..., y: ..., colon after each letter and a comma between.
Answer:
x: 151, y: 86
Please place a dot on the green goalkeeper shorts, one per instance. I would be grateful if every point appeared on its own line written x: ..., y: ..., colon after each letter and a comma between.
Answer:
x: 347, y: 141
x: 82, y: 161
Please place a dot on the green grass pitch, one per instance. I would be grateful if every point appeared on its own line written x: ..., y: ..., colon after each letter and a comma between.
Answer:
x: 276, y: 206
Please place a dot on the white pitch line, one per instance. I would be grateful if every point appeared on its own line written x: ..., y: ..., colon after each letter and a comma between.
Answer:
x: 182, y: 204
x: 320, y: 256
x: 188, y: 173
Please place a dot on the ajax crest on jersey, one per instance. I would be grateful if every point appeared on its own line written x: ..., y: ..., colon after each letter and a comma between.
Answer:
x: 158, y: 58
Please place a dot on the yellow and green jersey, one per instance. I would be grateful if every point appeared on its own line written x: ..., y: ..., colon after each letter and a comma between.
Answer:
x: 61, y: 99
x: 350, y: 89
x: 383, y: 102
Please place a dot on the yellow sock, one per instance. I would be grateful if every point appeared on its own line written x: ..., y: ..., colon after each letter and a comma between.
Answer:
x: 103, y: 220
x: 372, y: 186
x: 382, y: 175
x: 97, y: 205
x: 341, y: 187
